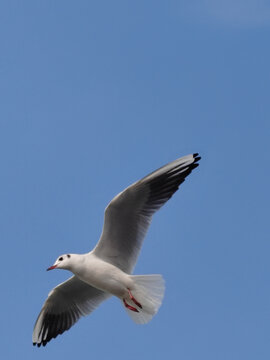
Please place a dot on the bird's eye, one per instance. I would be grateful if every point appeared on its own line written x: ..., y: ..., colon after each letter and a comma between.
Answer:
x: 60, y: 259
x: 68, y: 255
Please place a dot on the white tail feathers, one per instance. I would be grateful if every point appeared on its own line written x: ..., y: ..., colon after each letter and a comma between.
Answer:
x: 148, y: 290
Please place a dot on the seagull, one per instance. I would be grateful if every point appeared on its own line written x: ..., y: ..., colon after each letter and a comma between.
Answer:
x: 107, y: 269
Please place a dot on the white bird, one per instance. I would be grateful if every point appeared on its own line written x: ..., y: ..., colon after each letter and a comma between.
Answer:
x: 106, y: 270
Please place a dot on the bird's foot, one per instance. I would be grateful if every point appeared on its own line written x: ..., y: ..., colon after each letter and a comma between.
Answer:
x: 132, y: 308
x: 133, y: 299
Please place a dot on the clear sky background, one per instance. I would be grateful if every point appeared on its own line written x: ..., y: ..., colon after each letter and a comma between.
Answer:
x: 93, y: 96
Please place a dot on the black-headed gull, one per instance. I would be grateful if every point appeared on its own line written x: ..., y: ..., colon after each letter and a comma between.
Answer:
x: 106, y: 270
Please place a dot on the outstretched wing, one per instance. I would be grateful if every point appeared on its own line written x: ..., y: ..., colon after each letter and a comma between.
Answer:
x: 129, y: 214
x: 65, y: 304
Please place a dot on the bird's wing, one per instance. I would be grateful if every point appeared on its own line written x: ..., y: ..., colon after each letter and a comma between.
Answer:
x: 129, y: 214
x: 65, y: 304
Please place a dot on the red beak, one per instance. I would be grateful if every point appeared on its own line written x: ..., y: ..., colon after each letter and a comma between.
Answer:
x: 52, y: 267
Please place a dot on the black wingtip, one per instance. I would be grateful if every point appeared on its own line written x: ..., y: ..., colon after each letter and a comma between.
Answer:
x: 196, y: 157
x: 43, y: 343
x: 194, y: 165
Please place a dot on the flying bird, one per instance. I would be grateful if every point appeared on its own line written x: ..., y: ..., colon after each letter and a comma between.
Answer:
x: 107, y: 269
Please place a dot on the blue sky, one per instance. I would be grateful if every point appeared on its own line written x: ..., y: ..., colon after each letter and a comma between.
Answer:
x: 94, y: 95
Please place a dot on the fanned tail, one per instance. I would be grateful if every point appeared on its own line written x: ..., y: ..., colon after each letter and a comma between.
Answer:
x: 148, y: 290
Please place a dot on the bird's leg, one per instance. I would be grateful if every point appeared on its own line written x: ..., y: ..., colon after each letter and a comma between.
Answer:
x: 133, y: 299
x: 129, y: 306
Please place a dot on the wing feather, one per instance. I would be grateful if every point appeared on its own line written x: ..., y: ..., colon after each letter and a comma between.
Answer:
x: 65, y: 304
x: 129, y: 214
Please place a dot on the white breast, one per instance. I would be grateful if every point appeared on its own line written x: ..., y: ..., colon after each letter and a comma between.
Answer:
x: 103, y: 276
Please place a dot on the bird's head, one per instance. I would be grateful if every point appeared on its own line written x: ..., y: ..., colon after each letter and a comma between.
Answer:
x: 62, y: 262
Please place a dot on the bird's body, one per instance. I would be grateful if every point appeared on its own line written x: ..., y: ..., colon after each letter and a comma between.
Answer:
x: 107, y: 269
x: 101, y: 274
